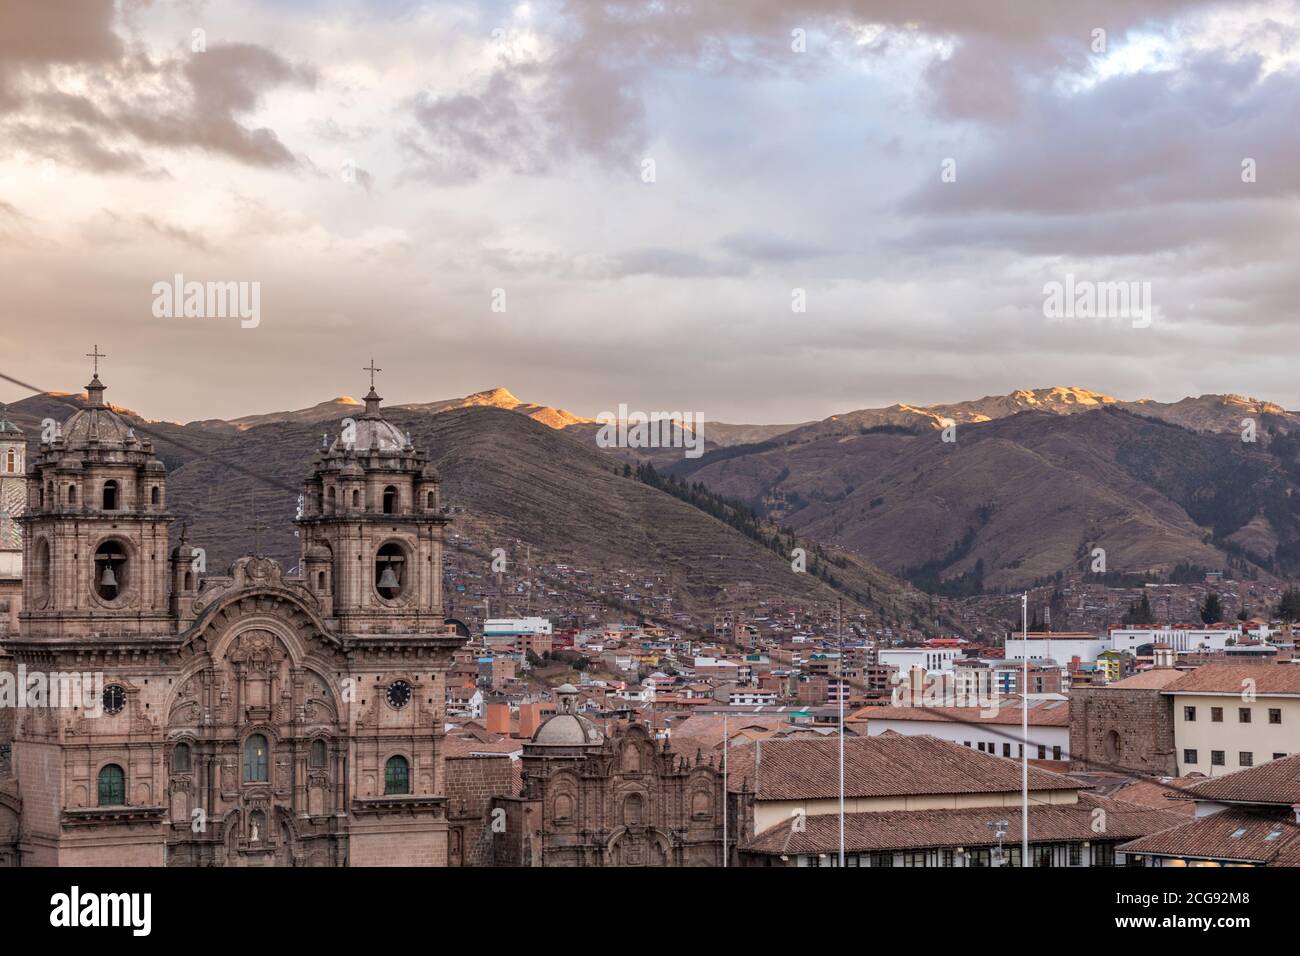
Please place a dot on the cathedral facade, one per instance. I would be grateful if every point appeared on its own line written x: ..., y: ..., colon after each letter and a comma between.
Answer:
x: 254, y: 718
x: 620, y: 800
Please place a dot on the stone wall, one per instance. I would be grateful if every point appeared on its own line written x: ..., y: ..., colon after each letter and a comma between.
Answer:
x: 472, y: 782
x: 1122, y: 730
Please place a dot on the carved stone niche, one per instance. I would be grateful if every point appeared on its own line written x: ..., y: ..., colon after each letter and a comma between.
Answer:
x: 256, y: 831
x: 256, y: 657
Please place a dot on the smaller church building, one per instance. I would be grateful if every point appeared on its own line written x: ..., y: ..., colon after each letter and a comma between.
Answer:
x: 622, y: 800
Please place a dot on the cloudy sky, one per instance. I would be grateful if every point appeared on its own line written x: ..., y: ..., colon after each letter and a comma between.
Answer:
x: 644, y: 187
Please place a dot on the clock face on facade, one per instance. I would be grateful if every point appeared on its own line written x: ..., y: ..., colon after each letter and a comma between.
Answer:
x: 399, y: 693
x: 114, y: 699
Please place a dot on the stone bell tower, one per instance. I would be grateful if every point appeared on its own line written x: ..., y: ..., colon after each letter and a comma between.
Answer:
x: 96, y: 615
x: 95, y: 549
x: 372, y: 535
x: 372, y: 529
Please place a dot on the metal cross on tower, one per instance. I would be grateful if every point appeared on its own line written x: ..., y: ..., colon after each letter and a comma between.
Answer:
x: 96, y: 354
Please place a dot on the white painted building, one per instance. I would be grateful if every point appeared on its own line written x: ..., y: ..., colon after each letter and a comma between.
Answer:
x: 515, y: 626
x: 926, y: 658
x: 464, y: 703
x: 1182, y: 640
x: 994, y: 730
x: 1059, y: 649
x: 747, y: 696
x: 636, y: 694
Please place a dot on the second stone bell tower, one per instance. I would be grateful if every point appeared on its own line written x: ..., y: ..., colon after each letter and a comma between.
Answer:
x: 372, y: 529
x: 95, y: 548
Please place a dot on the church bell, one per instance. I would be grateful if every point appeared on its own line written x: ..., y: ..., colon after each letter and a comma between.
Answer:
x: 387, y: 579
x: 109, y: 580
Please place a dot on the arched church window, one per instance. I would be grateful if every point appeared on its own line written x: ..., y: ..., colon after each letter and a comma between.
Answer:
x: 631, y: 759
x: 1113, y: 746
x: 72, y: 494
x: 356, y: 498
x: 110, y: 495
x: 155, y: 496
x: 11, y: 461
x: 320, y: 580
x: 563, y: 808
x: 633, y: 810
x: 112, y: 786
x: 318, y: 753
x: 390, y: 500
x: 110, y: 570
x: 181, y: 758
x: 397, y: 776
x: 428, y: 501
x: 255, y: 759
x: 329, y: 501
x: 390, y: 570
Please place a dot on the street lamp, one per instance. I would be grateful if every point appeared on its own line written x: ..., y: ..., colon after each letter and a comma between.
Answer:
x: 999, y: 828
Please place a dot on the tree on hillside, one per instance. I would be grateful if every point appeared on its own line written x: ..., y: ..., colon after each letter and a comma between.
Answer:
x: 1139, y: 614
x: 1212, y: 609
x: 1288, y: 609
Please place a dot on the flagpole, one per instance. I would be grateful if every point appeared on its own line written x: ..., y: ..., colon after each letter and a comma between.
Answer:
x: 1024, y: 731
x: 839, y: 631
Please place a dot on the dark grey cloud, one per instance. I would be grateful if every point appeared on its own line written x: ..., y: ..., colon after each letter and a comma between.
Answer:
x: 587, y: 95
x: 75, y: 146
x: 1139, y: 140
x: 459, y: 135
x: 39, y: 32
x: 122, y: 114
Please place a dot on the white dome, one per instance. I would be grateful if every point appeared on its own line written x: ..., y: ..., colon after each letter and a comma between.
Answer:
x: 566, y: 728
x: 372, y: 434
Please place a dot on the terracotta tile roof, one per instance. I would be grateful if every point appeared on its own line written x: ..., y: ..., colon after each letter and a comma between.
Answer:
x: 703, y: 732
x: 1239, y: 834
x: 1289, y: 855
x: 1230, y: 679
x: 468, y: 746
x: 1042, y: 713
x: 1157, y: 794
x: 1277, y: 781
x: 1155, y: 678
x: 887, y: 765
x: 967, y: 827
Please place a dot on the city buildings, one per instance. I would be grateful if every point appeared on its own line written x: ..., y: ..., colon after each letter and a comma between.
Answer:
x: 1248, y: 817
x: 1232, y: 716
x: 918, y: 801
x: 995, y: 729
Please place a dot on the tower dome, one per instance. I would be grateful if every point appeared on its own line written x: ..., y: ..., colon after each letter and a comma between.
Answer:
x: 97, y: 423
x: 370, y: 432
